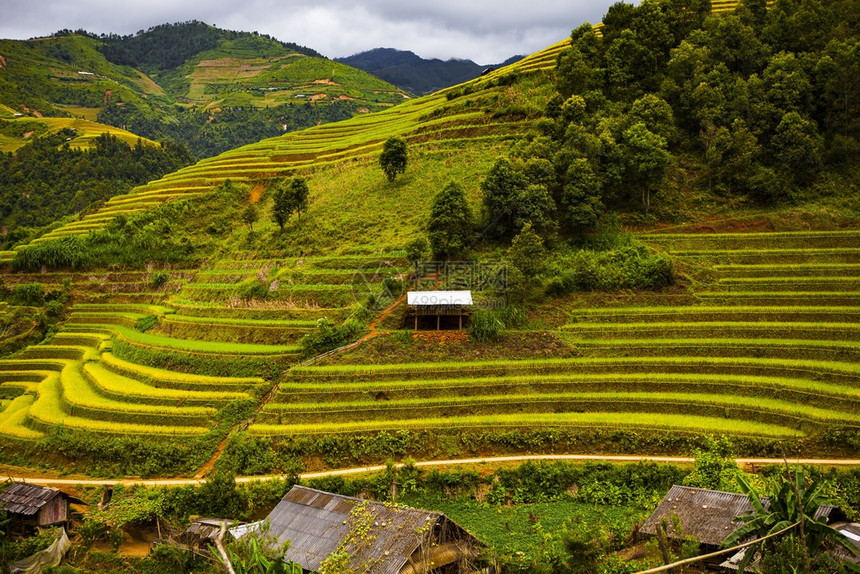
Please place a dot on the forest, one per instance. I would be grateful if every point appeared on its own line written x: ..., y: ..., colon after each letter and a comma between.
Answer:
x: 47, y: 180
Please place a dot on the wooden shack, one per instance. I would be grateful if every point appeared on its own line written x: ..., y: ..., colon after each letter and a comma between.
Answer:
x: 438, y: 309
x: 708, y: 516
x: 393, y: 540
x: 30, y: 506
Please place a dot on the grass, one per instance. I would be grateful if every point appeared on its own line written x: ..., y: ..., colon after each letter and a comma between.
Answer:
x: 634, y: 420
x: 176, y: 380
x: 290, y: 391
x: 13, y: 417
x: 48, y: 411
x: 759, y: 408
x: 580, y: 365
x: 718, y: 329
x: 121, y: 388
x: 81, y: 398
x: 192, y: 345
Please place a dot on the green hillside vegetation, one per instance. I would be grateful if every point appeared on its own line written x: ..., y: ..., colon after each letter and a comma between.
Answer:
x: 209, y: 89
x: 658, y: 223
x: 51, y: 177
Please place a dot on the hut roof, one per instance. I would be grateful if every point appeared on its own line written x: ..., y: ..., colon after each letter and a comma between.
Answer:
x: 318, y: 524
x: 28, y: 499
x: 435, y: 298
x: 705, y: 514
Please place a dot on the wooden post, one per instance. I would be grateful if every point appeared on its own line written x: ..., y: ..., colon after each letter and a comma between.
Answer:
x: 438, y: 320
x: 416, y: 319
x: 461, y: 321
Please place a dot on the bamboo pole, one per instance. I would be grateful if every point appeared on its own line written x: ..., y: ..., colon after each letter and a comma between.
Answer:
x: 714, y: 554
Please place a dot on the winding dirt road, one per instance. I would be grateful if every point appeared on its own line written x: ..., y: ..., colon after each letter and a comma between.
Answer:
x: 743, y: 462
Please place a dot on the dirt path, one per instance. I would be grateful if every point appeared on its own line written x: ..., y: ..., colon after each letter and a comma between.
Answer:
x: 743, y: 462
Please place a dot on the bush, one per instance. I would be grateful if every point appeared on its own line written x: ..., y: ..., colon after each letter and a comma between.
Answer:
x: 330, y: 336
x: 486, y: 326
x: 253, y: 289
x: 631, y: 266
x: 29, y: 295
x: 416, y: 250
x: 159, y: 278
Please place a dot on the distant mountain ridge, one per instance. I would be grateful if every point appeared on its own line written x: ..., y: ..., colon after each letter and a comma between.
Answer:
x: 415, y: 74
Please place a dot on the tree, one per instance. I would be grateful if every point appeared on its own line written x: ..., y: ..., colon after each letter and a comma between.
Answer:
x: 393, y: 158
x: 793, y: 502
x: 451, y: 222
x: 283, y: 207
x: 511, y: 200
x: 581, y: 196
x: 527, y: 252
x: 647, y: 160
x: 250, y: 216
x: 290, y: 199
x: 797, y: 147
x: 299, y: 193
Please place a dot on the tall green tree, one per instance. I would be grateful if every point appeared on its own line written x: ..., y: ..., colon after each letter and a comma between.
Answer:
x: 451, y: 223
x: 647, y: 160
x: 511, y: 200
x: 527, y: 252
x: 289, y: 199
x: 394, y: 157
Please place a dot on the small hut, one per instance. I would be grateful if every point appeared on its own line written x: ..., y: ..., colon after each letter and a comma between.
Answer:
x: 439, y: 309
x: 30, y: 506
x: 393, y: 539
x: 708, y: 516
x: 201, y: 533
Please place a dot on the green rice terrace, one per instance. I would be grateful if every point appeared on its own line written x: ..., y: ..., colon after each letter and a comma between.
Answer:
x: 179, y: 327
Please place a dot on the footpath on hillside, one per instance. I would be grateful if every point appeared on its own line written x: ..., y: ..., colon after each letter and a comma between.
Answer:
x: 746, y: 463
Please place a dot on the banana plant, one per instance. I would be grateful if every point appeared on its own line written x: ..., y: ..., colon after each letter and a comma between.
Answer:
x: 788, y: 503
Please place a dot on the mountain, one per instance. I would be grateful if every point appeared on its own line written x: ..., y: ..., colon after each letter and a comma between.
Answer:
x: 417, y: 75
x: 207, y: 88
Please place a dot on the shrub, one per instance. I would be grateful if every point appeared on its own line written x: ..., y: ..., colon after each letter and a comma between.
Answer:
x: 29, y: 294
x: 486, y: 326
x: 416, y: 250
x: 631, y: 266
x: 330, y: 336
x: 253, y: 289
x: 159, y: 278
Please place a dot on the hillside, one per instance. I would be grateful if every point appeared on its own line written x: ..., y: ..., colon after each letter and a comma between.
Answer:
x: 209, y: 89
x: 178, y: 315
x: 415, y: 74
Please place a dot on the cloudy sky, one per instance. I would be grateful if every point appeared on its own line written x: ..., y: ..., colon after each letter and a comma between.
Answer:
x: 485, y: 31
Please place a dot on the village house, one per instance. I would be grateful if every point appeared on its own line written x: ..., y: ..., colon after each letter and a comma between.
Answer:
x: 383, y: 538
x: 30, y: 506
x: 438, y: 309
x: 708, y: 517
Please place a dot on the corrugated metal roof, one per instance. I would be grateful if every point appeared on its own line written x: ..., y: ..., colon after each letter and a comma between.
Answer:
x: 430, y: 298
x: 708, y: 515
x: 705, y: 514
x: 317, y: 524
x: 26, y: 499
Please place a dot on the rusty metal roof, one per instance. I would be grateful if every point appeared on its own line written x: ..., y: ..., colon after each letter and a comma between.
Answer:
x: 318, y: 524
x: 27, y: 499
x: 705, y: 514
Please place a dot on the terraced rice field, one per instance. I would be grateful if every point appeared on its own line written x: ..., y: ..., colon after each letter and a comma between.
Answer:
x: 142, y: 365
x: 771, y: 349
